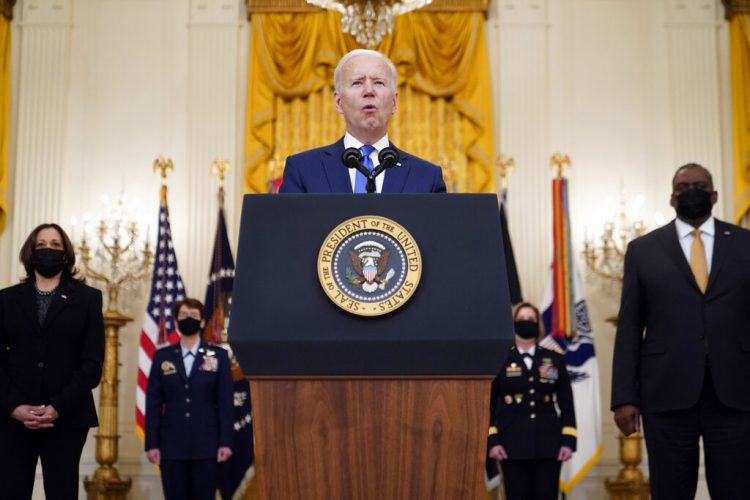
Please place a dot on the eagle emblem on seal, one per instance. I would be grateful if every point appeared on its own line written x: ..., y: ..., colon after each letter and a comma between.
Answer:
x: 369, y: 264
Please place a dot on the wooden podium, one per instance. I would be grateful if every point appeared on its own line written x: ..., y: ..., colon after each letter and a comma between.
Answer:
x: 388, y: 407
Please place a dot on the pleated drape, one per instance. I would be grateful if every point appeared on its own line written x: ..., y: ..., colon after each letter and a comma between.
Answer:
x: 739, y: 29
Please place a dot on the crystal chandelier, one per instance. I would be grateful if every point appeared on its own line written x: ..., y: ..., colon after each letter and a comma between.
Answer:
x: 368, y: 21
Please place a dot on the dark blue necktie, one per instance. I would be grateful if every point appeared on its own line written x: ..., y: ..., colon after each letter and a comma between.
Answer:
x: 360, y: 181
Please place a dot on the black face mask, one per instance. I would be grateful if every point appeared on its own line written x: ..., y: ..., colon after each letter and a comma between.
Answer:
x: 693, y: 204
x: 526, y: 329
x: 48, y: 261
x: 189, y: 326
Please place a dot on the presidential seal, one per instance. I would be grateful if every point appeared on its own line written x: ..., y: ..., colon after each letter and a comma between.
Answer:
x: 369, y: 265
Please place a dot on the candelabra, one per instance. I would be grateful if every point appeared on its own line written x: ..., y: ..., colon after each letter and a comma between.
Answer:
x: 117, y: 264
x: 606, y: 259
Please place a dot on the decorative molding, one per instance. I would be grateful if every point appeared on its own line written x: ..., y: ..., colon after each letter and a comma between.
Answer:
x: 46, y: 12
x: 522, y: 11
x: 735, y: 7
x: 6, y: 9
x: 692, y: 12
x: 268, y: 6
x: 208, y: 12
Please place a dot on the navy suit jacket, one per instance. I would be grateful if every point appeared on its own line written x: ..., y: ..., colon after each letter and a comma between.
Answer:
x: 321, y: 170
x: 663, y: 370
x: 189, y: 417
x: 58, y: 362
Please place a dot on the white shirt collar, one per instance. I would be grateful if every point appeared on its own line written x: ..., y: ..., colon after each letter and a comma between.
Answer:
x: 531, y: 350
x: 185, y: 350
x: 684, y: 229
x: 352, y: 142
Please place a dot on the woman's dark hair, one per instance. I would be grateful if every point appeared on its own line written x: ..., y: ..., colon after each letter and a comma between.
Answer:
x: 187, y: 302
x: 27, y: 252
x: 521, y: 305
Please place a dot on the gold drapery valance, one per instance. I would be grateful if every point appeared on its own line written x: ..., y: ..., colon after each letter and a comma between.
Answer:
x: 735, y: 7
x: 6, y: 9
x: 445, y: 99
x: 279, y: 6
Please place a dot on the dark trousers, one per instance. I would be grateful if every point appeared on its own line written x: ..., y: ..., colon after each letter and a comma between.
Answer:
x: 60, y: 452
x: 673, y: 449
x: 531, y: 479
x: 189, y: 479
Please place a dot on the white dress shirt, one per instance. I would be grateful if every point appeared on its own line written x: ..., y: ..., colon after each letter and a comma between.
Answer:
x: 188, y: 360
x: 684, y: 235
x: 527, y: 361
x: 351, y: 142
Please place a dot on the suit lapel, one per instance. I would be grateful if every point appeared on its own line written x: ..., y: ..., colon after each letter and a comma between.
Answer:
x: 176, y: 355
x: 723, y: 237
x: 395, y: 177
x: 60, y: 301
x: 336, y: 172
x: 668, y: 238
x: 198, y: 358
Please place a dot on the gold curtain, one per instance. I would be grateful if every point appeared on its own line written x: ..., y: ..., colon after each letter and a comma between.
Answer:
x: 445, y: 99
x: 5, y: 29
x: 739, y: 32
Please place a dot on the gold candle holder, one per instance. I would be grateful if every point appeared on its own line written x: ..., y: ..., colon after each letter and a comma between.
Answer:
x: 116, y: 264
x: 630, y: 483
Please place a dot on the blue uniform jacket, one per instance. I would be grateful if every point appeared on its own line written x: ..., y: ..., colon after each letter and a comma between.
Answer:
x: 189, y: 417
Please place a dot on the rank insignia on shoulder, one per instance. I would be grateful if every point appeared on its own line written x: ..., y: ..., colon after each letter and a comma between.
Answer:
x: 168, y: 368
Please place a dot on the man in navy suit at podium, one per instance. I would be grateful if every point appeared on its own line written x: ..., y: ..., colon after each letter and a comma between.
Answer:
x: 366, y: 95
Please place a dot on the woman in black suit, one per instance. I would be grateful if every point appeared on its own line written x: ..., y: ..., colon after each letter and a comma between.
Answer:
x: 51, y: 354
x: 527, y: 434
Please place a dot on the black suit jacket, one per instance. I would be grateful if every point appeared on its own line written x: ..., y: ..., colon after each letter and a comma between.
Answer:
x: 56, y: 363
x: 663, y: 368
x: 321, y: 170
x: 189, y: 416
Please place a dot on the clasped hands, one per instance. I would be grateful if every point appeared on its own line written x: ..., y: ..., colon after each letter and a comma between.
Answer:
x: 35, y: 417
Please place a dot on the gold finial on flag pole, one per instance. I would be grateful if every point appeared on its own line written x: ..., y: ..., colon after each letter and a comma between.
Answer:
x: 162, y: 164
x: 219, y: 168
x: 558, y: 161
x: 504, y: 163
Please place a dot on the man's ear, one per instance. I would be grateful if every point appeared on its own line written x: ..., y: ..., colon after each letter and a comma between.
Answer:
x: 337, y: 101
x: 203, y: 323
x: 714, y: 197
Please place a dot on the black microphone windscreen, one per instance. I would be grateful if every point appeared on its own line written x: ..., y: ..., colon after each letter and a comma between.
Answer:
x: 351, y: 157
x: 388, y: 157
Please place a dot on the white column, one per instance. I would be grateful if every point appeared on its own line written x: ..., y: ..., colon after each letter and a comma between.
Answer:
x: 523, y: 120
x: 212, y: 107
x: 693, y: 29
x: 45, y: 27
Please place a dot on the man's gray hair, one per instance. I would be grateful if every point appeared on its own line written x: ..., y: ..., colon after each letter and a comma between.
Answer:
x: 337, y: 74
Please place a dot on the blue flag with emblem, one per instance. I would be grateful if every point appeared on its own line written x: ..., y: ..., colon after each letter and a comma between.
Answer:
x: 234, y: 475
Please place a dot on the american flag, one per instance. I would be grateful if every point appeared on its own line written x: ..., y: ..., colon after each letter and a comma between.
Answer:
x: 158, y: 324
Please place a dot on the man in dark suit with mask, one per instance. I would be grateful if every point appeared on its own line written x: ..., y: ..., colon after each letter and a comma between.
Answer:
x: 682, y: 349
x: 189, y: 408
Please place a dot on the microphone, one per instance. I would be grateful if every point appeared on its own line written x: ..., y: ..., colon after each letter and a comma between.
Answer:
x: 388, y: 157
x: 352, y: 158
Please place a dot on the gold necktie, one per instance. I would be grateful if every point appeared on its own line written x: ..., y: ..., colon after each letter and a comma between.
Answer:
x: 698, y: 260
